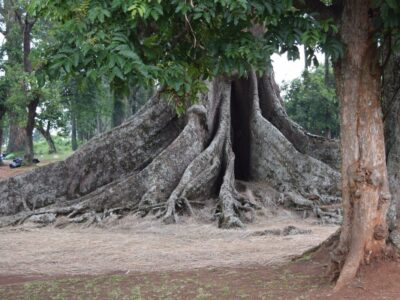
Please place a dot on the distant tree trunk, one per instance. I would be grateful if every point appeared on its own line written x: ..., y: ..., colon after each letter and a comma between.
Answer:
x: 26, y: 24
x: 74, y: 141
x: 16, y: 137
x: 365, y: 188
x: 2, y: 113
x: 1, y: 135
x: 326, y: 70
x: 119, y: 110
x: 101, y: 125
x: 30, y: 126
x: 138, y: 97
x: 47, y: 135
x: 13, y: 46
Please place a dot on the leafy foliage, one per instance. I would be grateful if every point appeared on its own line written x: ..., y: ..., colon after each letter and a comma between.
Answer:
x: 312, y: 103
x: 174, y: 44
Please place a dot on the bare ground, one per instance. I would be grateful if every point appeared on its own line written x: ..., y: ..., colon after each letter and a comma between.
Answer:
x: 6, y: 171
x: 142, y: 245
x: 142, y: 259
x: 137, y: 258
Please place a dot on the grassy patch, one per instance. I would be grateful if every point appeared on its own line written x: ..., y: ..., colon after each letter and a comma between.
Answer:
x: 282, y: 283
x: 41, y: 149
x: 63, y: 146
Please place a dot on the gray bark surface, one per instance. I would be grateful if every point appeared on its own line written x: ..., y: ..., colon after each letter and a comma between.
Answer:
x: 391, y: 112
x: 272, y: 108
x: 160, y: 164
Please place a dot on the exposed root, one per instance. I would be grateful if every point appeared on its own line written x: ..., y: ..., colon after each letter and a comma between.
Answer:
x: 201, y: 173
x: 157, y: 166
x: 204, y: 171
x: 326, y: 246
x: 272, y: 108
x: 229, y: 206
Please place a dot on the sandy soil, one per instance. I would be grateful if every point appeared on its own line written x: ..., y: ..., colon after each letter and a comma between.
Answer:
x: 137, y: 244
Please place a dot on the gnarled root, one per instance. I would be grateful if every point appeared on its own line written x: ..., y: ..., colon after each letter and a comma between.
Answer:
x: 157, y: 164
x: 204, y: 172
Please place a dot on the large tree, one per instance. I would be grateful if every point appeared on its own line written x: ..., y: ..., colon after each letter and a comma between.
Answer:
x: 210, y: 51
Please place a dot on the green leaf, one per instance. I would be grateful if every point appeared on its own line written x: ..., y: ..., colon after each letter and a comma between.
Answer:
x: 393, y: 4
x: 117, y: 72
x: 129, y: 54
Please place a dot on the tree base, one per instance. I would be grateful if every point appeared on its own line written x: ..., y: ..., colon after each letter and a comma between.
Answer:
x: 157, y: 164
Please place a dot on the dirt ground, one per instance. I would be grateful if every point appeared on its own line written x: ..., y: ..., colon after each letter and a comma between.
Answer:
x: 142, y: 259
x: 142, y: 245
x: 136, y: 258
x: 6, y: 171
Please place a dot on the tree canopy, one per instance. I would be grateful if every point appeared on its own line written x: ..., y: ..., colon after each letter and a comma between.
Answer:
x: 177, y: 44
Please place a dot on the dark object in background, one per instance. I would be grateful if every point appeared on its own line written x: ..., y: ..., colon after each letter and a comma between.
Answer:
x: 35, y: 161
x: 16, y: 163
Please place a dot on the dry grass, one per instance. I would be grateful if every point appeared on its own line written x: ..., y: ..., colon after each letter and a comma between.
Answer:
x: 134, y: 244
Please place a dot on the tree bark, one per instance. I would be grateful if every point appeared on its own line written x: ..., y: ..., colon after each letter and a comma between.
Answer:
x: 26, y: 27
x: 30, y: 126
x: 47, y: 136
x: 1, y: 135
x: 326, y: 70
x: 74, y: 141
x: 160, y: 164
x: 119, y: 110
x: 2, y: 113
x: 16, y: 138
x: 272, y: 108
x: 391, y: 112
x: 365, y: 189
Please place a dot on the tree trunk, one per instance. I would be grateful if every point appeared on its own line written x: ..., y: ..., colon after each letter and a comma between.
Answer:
x: 74, y: 141
x: 1, y: 135
x: 2, y: 113
x: 30, y: 126
x: 160, y: 164
x: 26, y: 27
x: 47, y: 136
x: 365, y: 189
x: 16, y: 139
x: 119, y: 110
x: 391, y: 112
x: 326, y: 70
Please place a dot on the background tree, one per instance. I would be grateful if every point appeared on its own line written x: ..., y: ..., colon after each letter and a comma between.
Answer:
x: 32, y: 96
x: 11, y: 58
x: 51, y: 115
x: 312, y: 103
x: 89, y: 108
x: 3, y: 97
